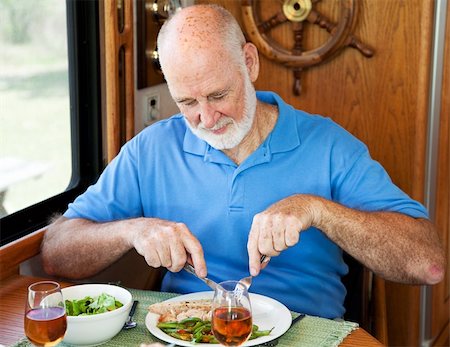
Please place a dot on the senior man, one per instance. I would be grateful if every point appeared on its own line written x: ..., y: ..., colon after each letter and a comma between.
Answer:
x: 239, y: 174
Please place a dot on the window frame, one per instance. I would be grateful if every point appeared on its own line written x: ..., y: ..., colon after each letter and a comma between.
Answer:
x: 83, y: 36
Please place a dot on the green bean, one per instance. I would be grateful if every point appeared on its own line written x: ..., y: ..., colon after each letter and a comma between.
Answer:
x: 189, y: 320
x: 169, y: 325
x: 170, y: 330
x: 213, y: 340
x: 204, y: 333
x: 200, y: 327
x: 209, y: 339
x: 198, y: 334
x: 196, y: 326
x: 198, y: 337
x: 260, y: 333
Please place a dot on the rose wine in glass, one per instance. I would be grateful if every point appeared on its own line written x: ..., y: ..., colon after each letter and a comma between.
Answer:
x: 231, y: 314
x: 45, y: 314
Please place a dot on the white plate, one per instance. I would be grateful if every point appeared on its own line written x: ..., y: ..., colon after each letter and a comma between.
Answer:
x: 267, y: 313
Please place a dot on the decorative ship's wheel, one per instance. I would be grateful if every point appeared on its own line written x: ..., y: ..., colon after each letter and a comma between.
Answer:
x: 298, y: 13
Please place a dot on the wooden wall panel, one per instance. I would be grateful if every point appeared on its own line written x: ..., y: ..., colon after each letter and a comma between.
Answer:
x: 118, y: 74
x: 382, y: 100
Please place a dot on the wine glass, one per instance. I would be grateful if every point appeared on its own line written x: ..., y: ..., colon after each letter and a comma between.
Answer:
x: 231, y: 321
x: 45, y: 314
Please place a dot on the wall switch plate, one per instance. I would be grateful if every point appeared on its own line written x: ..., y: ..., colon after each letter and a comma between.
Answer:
x: 152, y: 108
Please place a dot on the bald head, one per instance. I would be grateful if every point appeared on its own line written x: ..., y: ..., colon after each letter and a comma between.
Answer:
x: 198, y: 30
x: 210, y: 70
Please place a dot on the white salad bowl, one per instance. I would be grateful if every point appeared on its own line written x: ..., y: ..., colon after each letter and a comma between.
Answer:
x: 91, y: 330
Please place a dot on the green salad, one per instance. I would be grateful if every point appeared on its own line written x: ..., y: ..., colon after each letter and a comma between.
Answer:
x: 89, y: 305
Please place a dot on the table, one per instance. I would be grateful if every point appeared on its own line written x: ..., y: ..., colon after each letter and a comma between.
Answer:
x: 13, y: 292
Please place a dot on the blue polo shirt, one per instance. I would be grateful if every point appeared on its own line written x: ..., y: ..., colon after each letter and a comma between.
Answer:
x: 167, y: 172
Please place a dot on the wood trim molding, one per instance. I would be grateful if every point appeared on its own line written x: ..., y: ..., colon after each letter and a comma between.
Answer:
x: 119, y: 78
x: 440, y: 317
x: 16, y: 252
x: 380, y: 329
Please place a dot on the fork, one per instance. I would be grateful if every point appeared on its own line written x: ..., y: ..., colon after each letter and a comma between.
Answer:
x: 247, y: 281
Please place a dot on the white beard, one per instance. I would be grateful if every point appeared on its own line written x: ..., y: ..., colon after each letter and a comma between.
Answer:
x: 236, y: 131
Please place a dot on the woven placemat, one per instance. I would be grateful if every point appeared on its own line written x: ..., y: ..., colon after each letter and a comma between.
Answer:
x: 309, y: 332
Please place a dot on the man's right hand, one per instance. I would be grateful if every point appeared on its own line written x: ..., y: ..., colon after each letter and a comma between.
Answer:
x: 168, y: 244
x: 71, y: 246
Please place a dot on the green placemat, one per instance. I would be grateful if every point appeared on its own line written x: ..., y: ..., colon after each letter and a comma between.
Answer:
x: 309, y: 332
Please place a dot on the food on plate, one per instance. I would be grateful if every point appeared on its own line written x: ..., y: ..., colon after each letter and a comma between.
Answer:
x: 179, y: 310
x: 196, y: 330
x: 92, y: 305
x: 190, y: 329
x: 191, y: 320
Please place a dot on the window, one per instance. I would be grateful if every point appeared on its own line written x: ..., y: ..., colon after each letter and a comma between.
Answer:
x: 35, y: 156
x: 50, y: 148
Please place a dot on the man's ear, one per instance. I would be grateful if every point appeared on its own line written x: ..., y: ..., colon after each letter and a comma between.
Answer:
x: 251, y: 60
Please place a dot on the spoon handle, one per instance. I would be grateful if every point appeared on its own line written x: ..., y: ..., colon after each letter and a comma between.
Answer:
x: 133, y: 308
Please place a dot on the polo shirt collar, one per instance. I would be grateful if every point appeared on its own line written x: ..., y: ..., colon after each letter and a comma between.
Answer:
x: 194, y: 145
x: 284, y: 137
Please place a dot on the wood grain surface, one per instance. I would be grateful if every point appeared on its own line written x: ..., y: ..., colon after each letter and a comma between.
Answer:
x: 14, y: 253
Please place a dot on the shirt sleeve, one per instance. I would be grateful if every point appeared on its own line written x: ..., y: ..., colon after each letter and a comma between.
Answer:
x: 362, y: 183
x: 116, y: 193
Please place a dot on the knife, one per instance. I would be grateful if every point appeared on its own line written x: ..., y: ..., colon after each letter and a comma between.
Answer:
x: 299, y: 317
x: 210, y: 283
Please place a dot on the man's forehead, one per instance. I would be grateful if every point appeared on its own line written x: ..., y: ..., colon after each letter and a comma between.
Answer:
x: 192, y: 66
x: 190, y: 53
x: 193, y: 81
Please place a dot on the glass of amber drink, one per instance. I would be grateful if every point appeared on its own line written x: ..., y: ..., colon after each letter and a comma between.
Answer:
x: 231, y: 321
x: 45, y: 314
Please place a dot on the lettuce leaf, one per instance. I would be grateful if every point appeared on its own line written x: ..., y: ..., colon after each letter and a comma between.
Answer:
x: 89, y: 305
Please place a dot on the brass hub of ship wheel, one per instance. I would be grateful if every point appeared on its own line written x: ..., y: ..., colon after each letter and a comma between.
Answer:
x: 297, y: 10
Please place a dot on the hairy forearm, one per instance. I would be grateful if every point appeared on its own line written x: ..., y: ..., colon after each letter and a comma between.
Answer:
x: 394, y: 246
x: 78, y: 248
